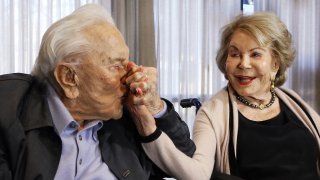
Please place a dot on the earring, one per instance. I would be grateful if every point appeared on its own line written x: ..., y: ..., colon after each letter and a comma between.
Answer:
x: 272, y: 85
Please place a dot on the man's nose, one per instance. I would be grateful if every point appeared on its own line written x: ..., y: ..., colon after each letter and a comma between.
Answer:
x: 123, y: 77
x: 125, y: 71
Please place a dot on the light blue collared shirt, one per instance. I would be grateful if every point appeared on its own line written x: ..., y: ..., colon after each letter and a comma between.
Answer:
x: 81, y: 155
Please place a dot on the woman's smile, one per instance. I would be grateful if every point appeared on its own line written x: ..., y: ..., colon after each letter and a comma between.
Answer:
x: 245, y: 80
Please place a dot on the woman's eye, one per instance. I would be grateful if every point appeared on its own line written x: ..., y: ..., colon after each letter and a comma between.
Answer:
x: 234, y: 54
x: 256, y: 55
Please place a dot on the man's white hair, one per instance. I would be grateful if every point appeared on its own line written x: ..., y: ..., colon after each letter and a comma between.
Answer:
x: 64, y: 38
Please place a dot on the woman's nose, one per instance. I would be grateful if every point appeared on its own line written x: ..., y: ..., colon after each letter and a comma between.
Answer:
x: 244, y: 62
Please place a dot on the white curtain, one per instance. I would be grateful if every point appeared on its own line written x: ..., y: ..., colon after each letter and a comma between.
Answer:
x: 22, y: 24
x: 187, y: 37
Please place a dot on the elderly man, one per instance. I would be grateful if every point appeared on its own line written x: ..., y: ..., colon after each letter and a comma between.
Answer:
x: 66, y: 120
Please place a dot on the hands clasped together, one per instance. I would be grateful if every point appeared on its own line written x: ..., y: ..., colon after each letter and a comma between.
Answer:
x: 143, y: 100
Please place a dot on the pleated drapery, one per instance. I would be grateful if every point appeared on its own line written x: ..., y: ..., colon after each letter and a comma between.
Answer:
x: 23, y: 23
x: 180, y: 37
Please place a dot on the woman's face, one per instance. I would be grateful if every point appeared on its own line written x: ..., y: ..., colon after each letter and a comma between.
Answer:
x: 249, y: 67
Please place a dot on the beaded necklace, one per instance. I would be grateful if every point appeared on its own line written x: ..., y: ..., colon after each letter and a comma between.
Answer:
x: 261, y: 106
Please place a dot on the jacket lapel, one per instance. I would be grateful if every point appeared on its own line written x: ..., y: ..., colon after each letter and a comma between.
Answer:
x: 42, y: 146
x: 121, y: 152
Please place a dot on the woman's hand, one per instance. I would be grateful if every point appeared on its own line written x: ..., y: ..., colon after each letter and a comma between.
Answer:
x: 143, y: 99
x: 142, y: 84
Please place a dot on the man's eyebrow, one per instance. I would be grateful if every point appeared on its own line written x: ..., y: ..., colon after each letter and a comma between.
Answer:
x: 116, y: 60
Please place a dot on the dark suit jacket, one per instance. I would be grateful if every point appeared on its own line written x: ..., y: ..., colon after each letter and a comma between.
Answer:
x: 30, y: 148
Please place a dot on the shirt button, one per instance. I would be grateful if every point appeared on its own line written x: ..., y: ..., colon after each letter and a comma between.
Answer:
x: 80, y: 161
x: 72, y: 125
x: 80, y: 137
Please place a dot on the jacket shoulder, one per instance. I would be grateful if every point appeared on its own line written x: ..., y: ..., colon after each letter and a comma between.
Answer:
x: 13, y: 88
x: 14, y: 83
x: 20, y: 77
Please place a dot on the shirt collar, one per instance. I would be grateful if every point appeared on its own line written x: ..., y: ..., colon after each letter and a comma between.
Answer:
x: 62, y: 119
x: 95, y: 125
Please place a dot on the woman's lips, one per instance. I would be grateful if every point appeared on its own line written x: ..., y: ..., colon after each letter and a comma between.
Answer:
x: 245, y: 80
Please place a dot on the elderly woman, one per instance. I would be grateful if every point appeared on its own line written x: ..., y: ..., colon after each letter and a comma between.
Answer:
x: 252, y: 128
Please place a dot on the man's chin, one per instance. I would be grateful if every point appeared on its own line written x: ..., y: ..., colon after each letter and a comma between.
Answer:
x: 118, y: 115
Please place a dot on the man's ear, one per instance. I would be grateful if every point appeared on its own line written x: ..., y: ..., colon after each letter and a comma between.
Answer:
x: 68, y: 80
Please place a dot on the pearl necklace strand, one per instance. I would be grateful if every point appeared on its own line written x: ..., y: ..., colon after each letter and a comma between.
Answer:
x: 261, y: 106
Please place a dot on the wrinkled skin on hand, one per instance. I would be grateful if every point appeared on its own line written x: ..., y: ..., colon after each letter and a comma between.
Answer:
x: 143, y: 99
x: 143, y: 119
x: 142, y: 84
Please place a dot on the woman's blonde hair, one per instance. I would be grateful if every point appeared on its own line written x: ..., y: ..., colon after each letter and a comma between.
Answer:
x: 268, y: 30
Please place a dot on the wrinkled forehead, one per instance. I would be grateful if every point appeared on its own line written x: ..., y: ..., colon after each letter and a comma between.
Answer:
x: 106, y: 41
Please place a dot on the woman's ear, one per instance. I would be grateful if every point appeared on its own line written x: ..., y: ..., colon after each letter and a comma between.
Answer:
x: 275, y: 66
x: 67, y: 79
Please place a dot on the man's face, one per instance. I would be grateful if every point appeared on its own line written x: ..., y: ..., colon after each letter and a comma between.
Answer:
x: 99, y: 74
